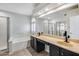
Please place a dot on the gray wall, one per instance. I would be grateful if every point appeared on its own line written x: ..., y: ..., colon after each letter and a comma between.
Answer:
x: 19, y: 24
x: 74, y: 27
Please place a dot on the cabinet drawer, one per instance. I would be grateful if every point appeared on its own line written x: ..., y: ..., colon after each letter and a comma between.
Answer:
x: 65, y: 52
x: 54, y: 50
x: 40, y: 46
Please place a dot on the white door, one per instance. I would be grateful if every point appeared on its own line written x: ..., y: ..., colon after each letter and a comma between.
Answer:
x: 3, y: 33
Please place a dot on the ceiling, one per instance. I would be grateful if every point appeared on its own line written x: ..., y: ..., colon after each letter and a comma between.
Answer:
x: 29, y: 8
x: 63, y: 13
x: 20, y: 8
x: 56, y: 15
x: 54, y: 10
x: 45, y: 7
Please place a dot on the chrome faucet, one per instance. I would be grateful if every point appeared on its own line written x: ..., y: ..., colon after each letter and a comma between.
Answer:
x: 66, y: 36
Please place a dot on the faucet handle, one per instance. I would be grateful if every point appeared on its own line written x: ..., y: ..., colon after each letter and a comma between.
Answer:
x: 68, y: 36
x: 65, y: 33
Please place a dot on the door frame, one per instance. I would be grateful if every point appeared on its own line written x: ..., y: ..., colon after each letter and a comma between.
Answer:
x: 8, y: 32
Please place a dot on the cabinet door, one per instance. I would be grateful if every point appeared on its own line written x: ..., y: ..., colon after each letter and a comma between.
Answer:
x: 40, y: 46
x: 32, y: 42
x: 54, y: 50
x: 65, y: 52
x: 37, y: 45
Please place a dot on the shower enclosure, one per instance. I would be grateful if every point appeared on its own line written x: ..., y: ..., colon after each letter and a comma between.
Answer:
x: 4, y: 32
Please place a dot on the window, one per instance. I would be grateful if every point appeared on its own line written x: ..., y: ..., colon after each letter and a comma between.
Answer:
x: 33, y: 26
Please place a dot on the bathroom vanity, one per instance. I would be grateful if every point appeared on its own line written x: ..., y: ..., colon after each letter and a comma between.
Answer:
x: 57, y: 46
x: 36, y: 44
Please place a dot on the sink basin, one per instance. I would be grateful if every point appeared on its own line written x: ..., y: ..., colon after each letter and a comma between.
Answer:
x: 70, y: 44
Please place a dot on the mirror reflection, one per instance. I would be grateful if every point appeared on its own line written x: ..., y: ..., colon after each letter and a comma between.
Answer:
x: 57, y: 22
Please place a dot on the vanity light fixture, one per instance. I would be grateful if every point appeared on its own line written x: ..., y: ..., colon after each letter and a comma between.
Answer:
x: 62, y: 7
x: 48, y: 8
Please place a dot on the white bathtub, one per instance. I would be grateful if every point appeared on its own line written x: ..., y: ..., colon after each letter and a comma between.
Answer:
x: 18, y: 43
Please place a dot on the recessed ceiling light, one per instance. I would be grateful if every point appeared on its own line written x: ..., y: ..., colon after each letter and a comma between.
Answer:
x: 46, y: 9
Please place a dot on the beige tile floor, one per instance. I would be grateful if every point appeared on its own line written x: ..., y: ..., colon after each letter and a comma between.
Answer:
x: 24, y: 52
x: 34, y: 53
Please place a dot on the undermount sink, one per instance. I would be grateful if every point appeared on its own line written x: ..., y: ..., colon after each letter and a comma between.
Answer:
x: 70, y: 44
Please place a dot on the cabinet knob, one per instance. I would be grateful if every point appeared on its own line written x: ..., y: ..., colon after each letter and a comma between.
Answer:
x: 62, y: 54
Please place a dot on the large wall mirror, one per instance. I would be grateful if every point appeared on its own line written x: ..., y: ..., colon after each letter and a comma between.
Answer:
x: 56, y: 23
x: 53, y: 27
